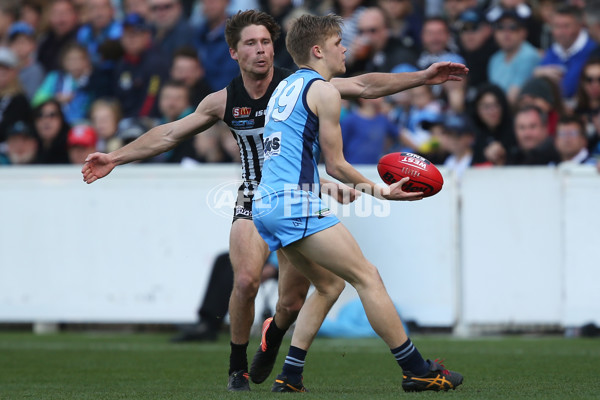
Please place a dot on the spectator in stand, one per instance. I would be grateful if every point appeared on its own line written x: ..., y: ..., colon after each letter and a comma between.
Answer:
x: 101, y: 27
x: 425, y: 109
x: 22, y: 145
x: 452, y: 10
x: 105, y: 115
x: 74, y: 86
x: 14, y: 105
x: 591, y: 13
x: 512, y: 65
x: 81, y: 140
x: 9, y: 14
x: 477, y: 45
x: 367, y: 133
x: 493, y: 124
x: 22, y: 42
x: 532, y: 23
x: 140, y: 72
x: 587, y: 102
x: 350, y: 11
x: 534, y: 146
x: 212, y: 46
x: 374, y: 49
x: 171, y: 29
x: 544, y: 94
x: 437, y: 46
x: 174, y: 104
x: 51, y: 128
x: 406, y: 21
x: 31, y: 14
x: 459, y: 136
x: 140, y: 7
x: 572, y: 47
x: 571, y: 141
x: 281, y: 11
x: 187, y: 68
x: 62, y: 29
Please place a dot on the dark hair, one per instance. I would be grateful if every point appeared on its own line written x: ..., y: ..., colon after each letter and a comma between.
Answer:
x: 530, y: 107
x: 569, y: 9
x: 500, y: 95
x: 573, y: 119
x: 236, y: 23
x: 187, y: 52
x: 176, y: 84
x: 582, y: 100
x: 439, y: 19
x: 37, y: 111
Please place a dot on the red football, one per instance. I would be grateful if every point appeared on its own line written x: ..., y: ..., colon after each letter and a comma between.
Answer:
x: 424, y: 176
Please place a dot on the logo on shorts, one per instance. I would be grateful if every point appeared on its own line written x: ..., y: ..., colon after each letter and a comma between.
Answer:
x: 227, y: 198
x: 323, y: 213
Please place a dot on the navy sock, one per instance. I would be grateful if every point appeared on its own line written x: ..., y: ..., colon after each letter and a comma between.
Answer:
x: 238, y: 359
x: 274, y: 334
x: 409, y: 358
x: 294, y: 364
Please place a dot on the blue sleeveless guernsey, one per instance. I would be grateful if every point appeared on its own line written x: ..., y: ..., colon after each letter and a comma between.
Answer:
x: 286, y: 204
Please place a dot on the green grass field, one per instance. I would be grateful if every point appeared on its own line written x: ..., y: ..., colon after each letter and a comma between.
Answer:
x: 146, y: 366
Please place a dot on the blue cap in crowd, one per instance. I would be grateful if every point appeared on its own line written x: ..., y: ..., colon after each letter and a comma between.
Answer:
x: 458, y: 124
x: 136, y: 21
x: 20, y: 28
x: 470, y: 19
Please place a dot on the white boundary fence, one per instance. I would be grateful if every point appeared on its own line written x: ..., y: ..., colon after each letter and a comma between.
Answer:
x: 509, y: 247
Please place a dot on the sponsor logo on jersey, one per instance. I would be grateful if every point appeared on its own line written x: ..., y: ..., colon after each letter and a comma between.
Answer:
x: 260, y: 113
x: 241, y: 112
x: 272, y: 145
x: 243, y: 123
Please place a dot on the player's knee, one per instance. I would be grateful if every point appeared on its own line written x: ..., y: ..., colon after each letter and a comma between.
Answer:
x: 291, y: 301
x: 331, y: 289
x: 365, y: 276
x: 246, y: 285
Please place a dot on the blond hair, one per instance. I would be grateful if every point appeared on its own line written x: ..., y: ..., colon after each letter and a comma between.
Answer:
x: 308, y: 31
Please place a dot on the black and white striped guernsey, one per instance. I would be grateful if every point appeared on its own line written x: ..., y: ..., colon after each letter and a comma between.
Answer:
x: 245, y: 118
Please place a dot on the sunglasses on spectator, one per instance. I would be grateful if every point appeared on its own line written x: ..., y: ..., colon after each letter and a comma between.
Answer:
x: 508, y: 27
x: 368, y: 30
x: 469, y: 27
x: 162, y: 7
x: 590, y: 79
x: 52, y: 114
x: 567, y: 133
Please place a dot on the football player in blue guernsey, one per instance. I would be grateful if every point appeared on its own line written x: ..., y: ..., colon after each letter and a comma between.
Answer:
x: 302, y: 117
x: 241, y: 105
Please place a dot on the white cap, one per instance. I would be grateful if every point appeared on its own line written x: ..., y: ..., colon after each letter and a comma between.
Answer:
x: 8, y: 58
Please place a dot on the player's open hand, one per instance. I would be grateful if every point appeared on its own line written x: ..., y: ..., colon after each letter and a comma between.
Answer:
x: 97, y: 165
x: 395, y: 192
x: 441, y: 72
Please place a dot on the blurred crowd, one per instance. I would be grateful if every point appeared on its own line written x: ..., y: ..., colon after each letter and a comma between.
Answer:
x: 78, y: 76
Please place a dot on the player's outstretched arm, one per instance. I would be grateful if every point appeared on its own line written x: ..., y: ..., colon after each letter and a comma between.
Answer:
x: 325, y: 101
x: 375, y: 84
x: 158, y: 139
